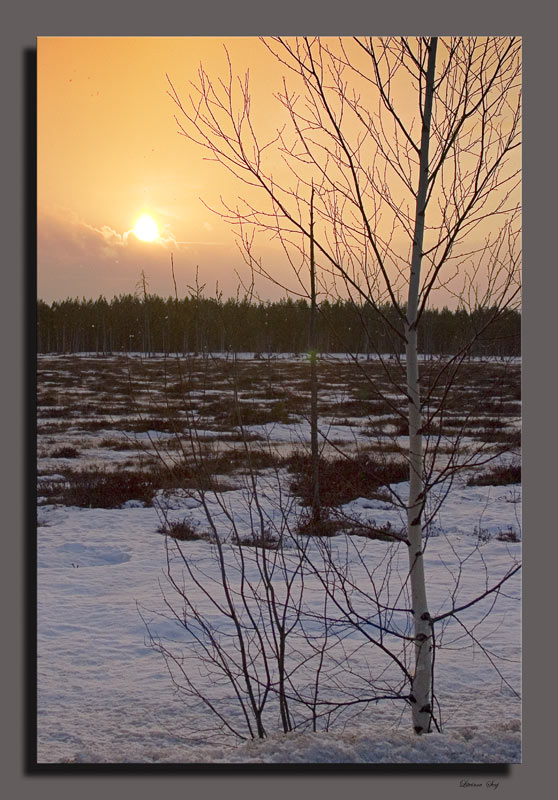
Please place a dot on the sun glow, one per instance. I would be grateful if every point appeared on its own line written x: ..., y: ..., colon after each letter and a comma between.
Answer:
x: 146, y: 228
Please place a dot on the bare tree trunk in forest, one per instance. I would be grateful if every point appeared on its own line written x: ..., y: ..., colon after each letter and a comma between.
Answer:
x: 142, y: 284
x: 316, y: 510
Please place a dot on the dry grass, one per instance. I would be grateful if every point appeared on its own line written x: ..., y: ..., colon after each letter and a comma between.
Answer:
x: 121, y: 394
x: 99, y: 488
x: 344, y: 479
x: 499, y: 475
x: 183, y: 531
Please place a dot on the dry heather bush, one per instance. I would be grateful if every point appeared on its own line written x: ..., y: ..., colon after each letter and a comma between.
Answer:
x: 182, y: 530
x: 345, y: 478
x: 65, y: 452
x: 501, y: 475
x: 99, y: 488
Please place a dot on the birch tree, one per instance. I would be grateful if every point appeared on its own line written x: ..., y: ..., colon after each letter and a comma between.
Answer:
x: 407, y: 149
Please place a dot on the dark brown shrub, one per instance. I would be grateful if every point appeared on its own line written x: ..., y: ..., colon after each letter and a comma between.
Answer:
x: 345, y: 479
x: 98, y: 488
x: 65, y: 452
x: 182, y: 530
x: 501, y: 475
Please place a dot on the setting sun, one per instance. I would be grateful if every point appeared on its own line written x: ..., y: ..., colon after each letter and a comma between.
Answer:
x: 146, y: 228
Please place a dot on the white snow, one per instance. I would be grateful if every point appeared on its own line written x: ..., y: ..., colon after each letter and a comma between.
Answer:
x: 104, y: 696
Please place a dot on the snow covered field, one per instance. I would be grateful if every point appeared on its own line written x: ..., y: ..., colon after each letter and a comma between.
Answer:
x: 105, y: 696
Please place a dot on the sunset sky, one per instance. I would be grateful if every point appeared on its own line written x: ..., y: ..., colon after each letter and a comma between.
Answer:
x: 109, y: 151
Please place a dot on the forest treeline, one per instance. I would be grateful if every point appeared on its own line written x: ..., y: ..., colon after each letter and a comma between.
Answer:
x: 194, y: 324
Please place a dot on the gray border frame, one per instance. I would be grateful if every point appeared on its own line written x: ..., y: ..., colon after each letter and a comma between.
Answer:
x: 536, y: 22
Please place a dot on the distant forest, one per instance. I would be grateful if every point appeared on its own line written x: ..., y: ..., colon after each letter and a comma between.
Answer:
x: 194, y: 324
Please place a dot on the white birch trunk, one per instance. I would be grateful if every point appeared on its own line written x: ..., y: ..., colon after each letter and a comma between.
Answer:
x: 422, y: 682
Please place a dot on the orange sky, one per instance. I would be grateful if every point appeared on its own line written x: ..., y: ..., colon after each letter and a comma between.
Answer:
x: 109, y: 150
